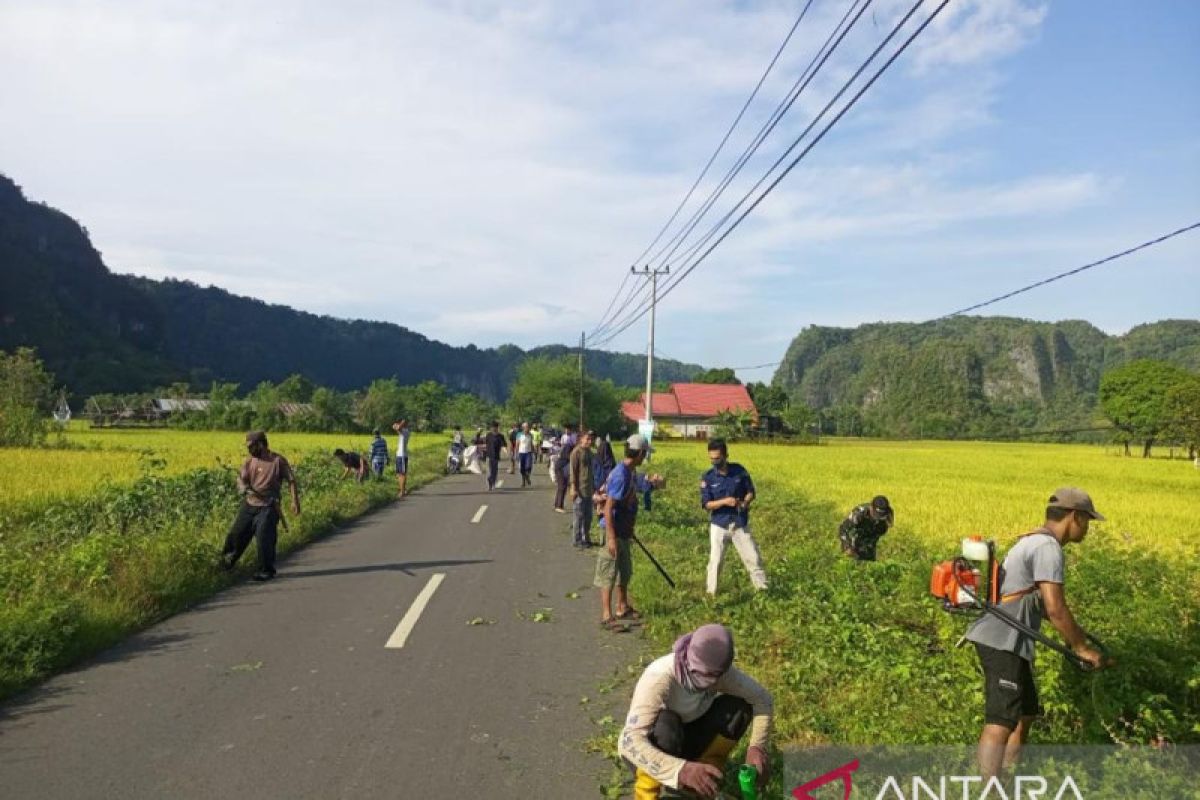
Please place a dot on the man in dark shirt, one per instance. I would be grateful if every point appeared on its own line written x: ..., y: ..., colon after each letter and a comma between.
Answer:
x: 260, y: 481
x: 863, y: 527
x: 562, y: 466
x: 493, y: 446
x: 726, y: 492
x: 353, y: 463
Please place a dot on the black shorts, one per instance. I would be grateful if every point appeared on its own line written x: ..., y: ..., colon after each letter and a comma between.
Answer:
x: 1009, y: 688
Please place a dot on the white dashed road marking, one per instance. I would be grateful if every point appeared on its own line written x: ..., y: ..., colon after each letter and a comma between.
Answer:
x: 400, y: 635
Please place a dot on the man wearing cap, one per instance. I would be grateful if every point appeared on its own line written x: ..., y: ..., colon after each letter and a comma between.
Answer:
x: 689, y: 710
x: 260, y: 481
x: 726, y: 492
x: 1031, y: 587
x: 614, y: 561
x: 864, y: 526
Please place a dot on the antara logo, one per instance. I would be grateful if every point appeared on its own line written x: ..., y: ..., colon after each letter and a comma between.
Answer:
x: 966, y: 787
x: 973, y: 787
x: 843, y: 772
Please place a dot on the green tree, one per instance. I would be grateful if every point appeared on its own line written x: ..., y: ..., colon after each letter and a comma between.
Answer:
x: 1183, y: 414
x: 296, y: 389
x: 770, y: 400
x: 469, y: 411
x: 1134, y: 398
x: 427, y: 401
x: 331, y: 412
x: 225, y: 411
x: 732, y: 425
x: 383, y: 404
x: 547, y: 390
x: 263, y: 405
x: 716, y: 375
x: 798, y: 417
x: 25, y: 395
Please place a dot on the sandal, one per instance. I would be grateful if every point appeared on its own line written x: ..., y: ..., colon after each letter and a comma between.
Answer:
x: 630, y: 613
x: 613, y: 625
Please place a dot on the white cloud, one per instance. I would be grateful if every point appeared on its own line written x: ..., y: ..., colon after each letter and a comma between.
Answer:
x: 484, y: 171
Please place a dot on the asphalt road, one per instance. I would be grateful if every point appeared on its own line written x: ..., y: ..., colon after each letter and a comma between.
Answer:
x: 287, y: 689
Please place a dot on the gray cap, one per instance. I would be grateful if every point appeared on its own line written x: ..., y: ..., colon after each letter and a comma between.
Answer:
x: 637, y: 442
x: 1073, y: 499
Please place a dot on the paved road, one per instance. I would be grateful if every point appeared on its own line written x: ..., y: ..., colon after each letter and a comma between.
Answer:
x: 287, y: 689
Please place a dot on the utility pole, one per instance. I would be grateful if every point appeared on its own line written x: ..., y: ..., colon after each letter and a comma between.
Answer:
x: 582, y: 345
x: 647, y: 427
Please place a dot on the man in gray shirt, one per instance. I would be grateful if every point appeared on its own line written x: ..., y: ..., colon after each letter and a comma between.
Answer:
x: 1031, y: 587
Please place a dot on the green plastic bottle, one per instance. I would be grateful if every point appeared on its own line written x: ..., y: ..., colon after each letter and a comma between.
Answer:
x: 748, y: 780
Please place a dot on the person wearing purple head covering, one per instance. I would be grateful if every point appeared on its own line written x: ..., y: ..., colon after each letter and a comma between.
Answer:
x: 689, y: 710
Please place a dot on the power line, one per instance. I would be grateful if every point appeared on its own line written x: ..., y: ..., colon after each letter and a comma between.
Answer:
x: 641, y: 311
x: 806, y: 76
x: 611, y: 302
x: 1070, y: 272
x: 756, y: 366
x: 729, y: 132
x: 605, y: 322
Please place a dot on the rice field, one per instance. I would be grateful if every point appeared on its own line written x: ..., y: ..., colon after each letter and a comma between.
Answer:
x: 944, y: 491
x: 858, y: 653
x: 87, y: 458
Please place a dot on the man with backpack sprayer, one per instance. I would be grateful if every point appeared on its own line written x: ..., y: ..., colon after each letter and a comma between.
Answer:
x: 1031, y: 586
x: 260, y: 481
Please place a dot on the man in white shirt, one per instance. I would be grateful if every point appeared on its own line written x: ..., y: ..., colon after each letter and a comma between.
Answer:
x: 402, y: 432
x: 524, y: 448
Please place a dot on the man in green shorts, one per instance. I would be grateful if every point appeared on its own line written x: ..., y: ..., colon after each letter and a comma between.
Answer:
x: 614, y: 562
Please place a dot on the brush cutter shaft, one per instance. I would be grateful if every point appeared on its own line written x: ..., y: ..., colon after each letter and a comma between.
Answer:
x: 1036, y: 635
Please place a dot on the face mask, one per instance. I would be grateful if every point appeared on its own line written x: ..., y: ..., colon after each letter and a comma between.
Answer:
x: 719, y: 463
x: 702, y: 682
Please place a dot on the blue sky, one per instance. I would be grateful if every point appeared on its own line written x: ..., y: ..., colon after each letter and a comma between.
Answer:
x: 485, y: 172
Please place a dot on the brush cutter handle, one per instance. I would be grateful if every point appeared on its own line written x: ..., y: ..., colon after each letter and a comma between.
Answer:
x: 1080, y: 664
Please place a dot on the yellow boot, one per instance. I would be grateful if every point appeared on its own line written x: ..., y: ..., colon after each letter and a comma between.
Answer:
x: 717, y: 752
x: 646, y: 787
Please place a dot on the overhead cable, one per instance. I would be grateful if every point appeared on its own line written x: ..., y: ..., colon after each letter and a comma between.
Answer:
x: 1070, y: 272
x: 795, y: 162
x: 802, y: 82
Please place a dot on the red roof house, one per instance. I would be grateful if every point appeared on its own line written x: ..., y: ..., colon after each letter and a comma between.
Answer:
x: 688, y: 408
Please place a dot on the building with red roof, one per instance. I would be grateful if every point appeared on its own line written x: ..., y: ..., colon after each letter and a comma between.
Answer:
x: 688, y: 409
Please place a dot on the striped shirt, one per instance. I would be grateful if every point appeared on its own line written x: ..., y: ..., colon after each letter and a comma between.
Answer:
x: 379, y: 449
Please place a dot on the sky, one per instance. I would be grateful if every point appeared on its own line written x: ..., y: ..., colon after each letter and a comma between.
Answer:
x: 487, y: 172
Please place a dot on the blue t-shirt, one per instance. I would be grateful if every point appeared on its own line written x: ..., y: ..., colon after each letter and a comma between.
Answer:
x: 622, y: 486
x: 734, y: 483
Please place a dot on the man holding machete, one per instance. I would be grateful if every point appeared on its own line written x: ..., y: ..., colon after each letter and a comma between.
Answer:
x: 260, y: 481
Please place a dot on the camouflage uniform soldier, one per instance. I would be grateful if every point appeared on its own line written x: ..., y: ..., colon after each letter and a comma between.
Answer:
x: 862, y: 529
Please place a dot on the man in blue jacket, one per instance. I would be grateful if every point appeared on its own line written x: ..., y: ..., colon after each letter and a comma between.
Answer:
x: 726, y: 492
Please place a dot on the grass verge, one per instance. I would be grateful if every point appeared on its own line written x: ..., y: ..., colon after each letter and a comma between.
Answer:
x: 78, y: 575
